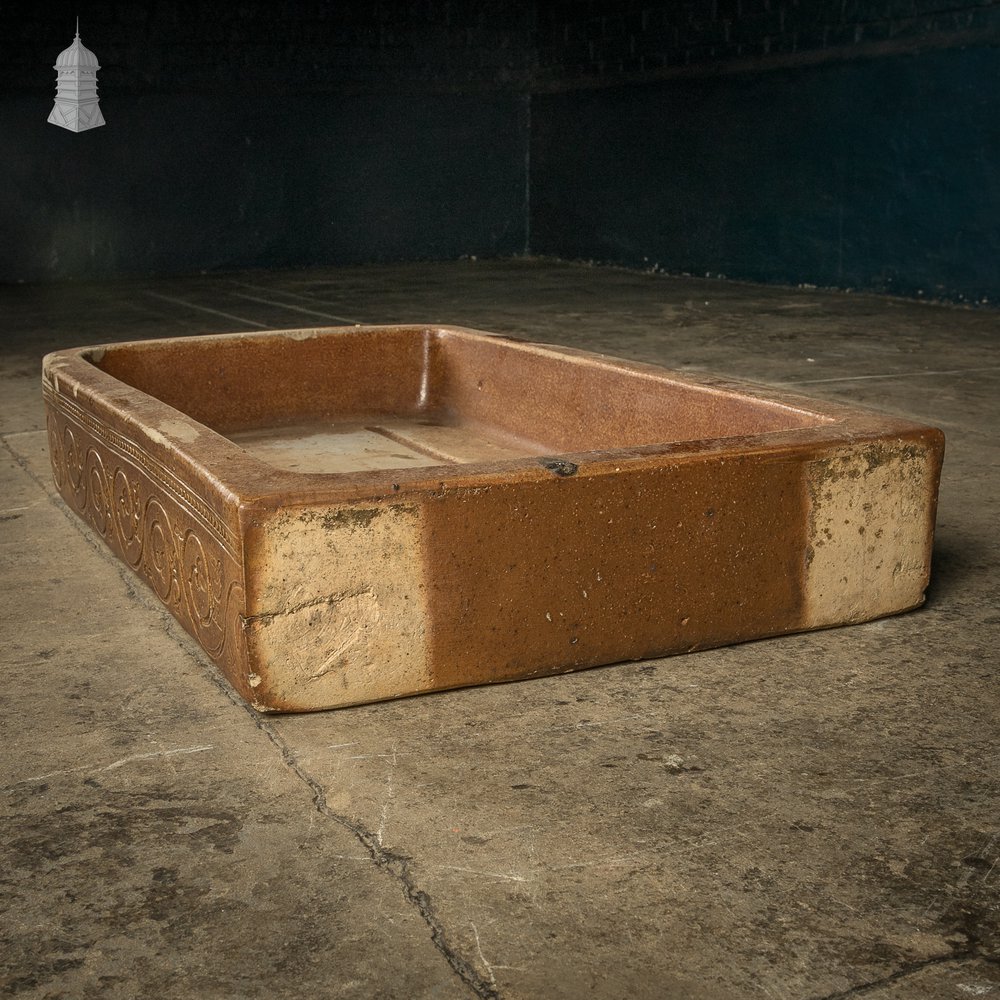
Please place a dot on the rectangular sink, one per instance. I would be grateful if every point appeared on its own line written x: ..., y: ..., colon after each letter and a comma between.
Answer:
x: 345, y: 515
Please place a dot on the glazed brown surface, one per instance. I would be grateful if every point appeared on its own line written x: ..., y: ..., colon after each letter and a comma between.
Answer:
x: 554, y: 399
x: 689, y: 555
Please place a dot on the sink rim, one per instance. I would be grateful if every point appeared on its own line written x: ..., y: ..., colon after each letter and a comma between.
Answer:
x: 209, y: 453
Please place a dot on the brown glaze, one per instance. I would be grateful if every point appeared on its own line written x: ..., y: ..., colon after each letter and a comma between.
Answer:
x: 246, y: 380
x: 689, y: 555
x: 346, y: 515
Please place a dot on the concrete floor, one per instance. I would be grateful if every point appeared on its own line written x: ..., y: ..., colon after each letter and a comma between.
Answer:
x: 807, y: 817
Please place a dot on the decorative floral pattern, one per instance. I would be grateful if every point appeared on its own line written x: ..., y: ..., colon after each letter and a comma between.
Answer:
x: 149, y: 522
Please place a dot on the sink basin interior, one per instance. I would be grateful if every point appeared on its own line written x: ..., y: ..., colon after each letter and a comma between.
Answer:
x: 381, y: 443
x: 401, y: 397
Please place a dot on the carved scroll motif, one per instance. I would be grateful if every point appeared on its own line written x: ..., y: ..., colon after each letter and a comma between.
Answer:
x: 148, y: 522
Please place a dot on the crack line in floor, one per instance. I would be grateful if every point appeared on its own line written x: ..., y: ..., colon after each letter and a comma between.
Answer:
x: 908, y: 970
x: 390, y: 862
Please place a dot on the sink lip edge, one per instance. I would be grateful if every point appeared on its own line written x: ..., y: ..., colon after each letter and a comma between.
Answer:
x: 73, y: 372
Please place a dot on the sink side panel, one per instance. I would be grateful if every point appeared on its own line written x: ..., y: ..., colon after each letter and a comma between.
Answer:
x: 155, y: 521
x: 562, y: 567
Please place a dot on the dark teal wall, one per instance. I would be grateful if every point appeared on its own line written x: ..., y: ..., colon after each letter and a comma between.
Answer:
x: 179, y: 183
x: 259, y: 134
x: 879, y: 173
x: 797, y: 141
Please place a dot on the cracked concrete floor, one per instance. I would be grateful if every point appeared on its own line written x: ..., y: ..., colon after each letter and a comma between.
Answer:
x: 808, y: 817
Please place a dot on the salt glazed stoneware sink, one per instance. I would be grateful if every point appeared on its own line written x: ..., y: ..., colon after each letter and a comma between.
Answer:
x: 345, y: 515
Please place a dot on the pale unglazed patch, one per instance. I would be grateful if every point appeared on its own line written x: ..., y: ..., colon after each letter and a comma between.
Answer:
x: 342, y: 609
x: 170, y: 431
x: 183, y: 430
x: 869, y: 550
x: 354, y: 619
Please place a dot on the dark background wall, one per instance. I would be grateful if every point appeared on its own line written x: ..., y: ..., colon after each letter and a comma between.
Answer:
x: 852, y: 143
x: 259, y: 134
